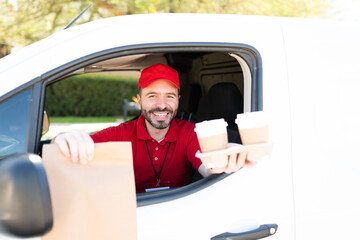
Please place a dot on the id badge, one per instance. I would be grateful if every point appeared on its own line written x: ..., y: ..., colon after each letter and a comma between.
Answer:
x: 157, y: 186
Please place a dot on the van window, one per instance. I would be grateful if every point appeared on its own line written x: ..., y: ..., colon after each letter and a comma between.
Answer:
x: 14, y: 117
x: 90, y: 101
x: 213, y: 84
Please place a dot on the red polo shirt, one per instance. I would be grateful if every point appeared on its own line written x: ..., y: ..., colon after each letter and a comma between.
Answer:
x: 180, y: 161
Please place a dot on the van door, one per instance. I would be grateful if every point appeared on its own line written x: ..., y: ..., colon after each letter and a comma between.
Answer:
x: 323, y: 60
x: 252, y: 197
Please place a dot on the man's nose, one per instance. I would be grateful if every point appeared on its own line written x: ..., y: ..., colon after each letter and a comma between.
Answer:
x: 161, y: 103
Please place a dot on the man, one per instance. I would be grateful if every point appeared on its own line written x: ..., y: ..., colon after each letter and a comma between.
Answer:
x: 163, y: 146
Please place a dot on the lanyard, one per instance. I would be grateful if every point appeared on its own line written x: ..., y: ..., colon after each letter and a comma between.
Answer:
x: 152, y: 164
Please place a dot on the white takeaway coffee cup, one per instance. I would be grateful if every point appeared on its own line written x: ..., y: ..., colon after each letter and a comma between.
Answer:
x: 212, y: 136
x: 253, y: 127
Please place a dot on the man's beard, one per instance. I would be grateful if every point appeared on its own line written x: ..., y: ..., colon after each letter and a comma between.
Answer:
x: 158, y: 124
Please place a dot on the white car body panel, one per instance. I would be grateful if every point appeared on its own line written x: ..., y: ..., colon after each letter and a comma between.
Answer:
x: 325, y: 129
x: 311, y: 79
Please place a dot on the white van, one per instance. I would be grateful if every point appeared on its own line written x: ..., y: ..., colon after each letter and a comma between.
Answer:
x: 304, y: 73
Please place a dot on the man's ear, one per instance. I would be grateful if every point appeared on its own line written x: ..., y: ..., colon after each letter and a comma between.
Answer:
x: 138, y: 101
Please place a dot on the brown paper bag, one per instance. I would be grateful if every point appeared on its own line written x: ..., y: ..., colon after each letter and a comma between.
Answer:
x: 95, y: 201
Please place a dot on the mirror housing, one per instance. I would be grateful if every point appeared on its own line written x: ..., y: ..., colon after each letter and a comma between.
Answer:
x: 25, y: 203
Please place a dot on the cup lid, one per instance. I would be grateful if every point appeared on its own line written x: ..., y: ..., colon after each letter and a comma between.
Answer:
x: 211, y: 127
x: 252, y: 119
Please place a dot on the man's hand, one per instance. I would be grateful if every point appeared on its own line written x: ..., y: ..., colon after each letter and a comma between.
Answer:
x: 77, y: 145
x: 235, y: 162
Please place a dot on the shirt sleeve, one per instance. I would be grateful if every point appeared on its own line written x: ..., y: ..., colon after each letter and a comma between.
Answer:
x: 192, y: 147
x: 108, y: 135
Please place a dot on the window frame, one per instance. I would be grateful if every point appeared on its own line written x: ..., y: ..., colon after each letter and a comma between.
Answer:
x: 248, y: 53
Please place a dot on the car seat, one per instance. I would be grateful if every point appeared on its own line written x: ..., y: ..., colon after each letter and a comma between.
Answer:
x: 223, y: 100
x: 190, y: 95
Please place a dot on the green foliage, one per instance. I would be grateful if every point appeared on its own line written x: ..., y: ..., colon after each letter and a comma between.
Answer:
x: 84, y: 119
x: 30, y: 21
x: 89, y: 95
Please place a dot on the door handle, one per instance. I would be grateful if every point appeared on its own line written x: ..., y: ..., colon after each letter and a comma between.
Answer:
x: 262, y: 231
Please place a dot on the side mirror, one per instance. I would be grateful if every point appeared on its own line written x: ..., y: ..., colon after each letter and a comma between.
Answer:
x: 25, y: 203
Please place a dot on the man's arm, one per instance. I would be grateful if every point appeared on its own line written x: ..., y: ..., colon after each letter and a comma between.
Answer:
x: 204, y: 171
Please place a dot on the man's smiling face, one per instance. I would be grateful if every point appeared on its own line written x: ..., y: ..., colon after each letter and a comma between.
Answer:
x: 158, y: 103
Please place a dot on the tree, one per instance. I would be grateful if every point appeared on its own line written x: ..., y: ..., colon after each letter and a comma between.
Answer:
x: 28, y: 21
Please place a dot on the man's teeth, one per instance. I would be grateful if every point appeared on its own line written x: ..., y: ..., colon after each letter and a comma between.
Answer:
x: 160, y: 114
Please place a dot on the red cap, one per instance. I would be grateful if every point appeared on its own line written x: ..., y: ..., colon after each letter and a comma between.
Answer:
x: 158, y: 72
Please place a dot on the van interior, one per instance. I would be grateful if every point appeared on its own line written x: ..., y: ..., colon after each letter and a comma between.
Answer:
x: 212, y: 84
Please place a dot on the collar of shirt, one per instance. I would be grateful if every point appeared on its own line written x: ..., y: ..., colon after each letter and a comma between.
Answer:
x: 141, y: 133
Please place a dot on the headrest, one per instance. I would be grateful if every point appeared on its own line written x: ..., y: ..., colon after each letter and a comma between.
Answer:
x: 226, y: 101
